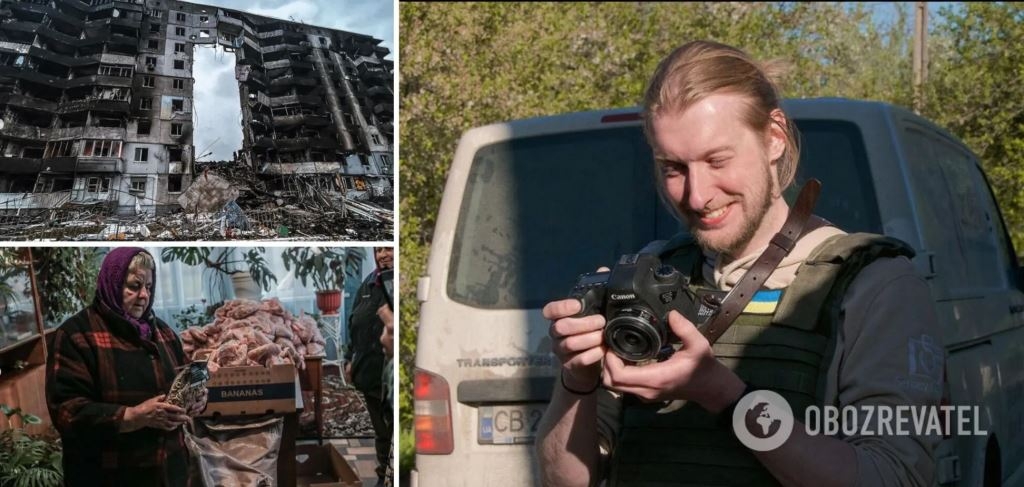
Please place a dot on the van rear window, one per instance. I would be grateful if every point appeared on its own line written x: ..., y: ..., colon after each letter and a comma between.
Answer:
x: 539, y: 211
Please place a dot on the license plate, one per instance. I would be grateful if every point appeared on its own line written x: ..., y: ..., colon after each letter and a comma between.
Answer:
x: 511, y: 424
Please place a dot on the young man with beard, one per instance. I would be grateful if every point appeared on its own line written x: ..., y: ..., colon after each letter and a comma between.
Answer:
x: 724, y: 152
x: 364, y: 358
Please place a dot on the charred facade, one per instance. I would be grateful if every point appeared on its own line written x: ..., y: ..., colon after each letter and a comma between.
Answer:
x: 96, y: 102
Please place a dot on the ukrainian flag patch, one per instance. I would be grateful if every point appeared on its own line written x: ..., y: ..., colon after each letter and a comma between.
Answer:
x: 764, y: 302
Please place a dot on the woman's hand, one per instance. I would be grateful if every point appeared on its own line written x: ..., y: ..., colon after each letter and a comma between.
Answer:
x: 154, y: 413
x: 200, y: 404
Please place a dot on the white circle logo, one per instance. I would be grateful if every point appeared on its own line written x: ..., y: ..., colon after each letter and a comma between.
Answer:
x: 762, y: 420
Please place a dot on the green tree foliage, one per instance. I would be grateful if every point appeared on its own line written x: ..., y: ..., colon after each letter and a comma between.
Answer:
x: 974, y: 91
x: 465, y: 65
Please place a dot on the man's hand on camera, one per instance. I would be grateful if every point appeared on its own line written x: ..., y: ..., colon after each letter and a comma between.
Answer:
x: 691, y: 373
x: 577, y: 342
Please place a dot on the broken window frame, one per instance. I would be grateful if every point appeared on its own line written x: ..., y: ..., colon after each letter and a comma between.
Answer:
x: 137, y: 185
x: 96, y: 184
x: 144, y: 127
x: 151, y: 61
x: 116, y: 71
x: 177, y: 129
x: 60, y: 148
x: 101, y: 148
x: 146, y: 103
x: 180, y: 183
x: 154, y: 28
x: 141, y: 154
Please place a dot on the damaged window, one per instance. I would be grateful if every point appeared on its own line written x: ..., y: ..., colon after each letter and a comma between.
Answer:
x: 101, y: 148
x: 32, y: 152
x: 180, y: 17
x: 146, y: 103
x: 176, y: 129
x: 151, y: 61
x: 179, y: 64
x: 148, y: 82
x: 97, y: 185
x: 153, y: 44
x: 60, y: 148
x: 138, y: 185
x: 178, y: 105
x: 204, y: 19
x: 154, y: 28
x: 141, y: 154
x: 179, y: 47
x: 144, y: 127
x: 179, y: 84
x: 174, y: 154
x: 114, y: 70
x: 174, y: 183
x: 50, y: 184
x: 385, y: 162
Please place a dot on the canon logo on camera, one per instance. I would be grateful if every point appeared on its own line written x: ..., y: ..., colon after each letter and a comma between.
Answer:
x: 620, y: 297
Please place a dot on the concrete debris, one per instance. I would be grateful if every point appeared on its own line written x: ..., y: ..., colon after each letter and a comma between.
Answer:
x: 225, y: 203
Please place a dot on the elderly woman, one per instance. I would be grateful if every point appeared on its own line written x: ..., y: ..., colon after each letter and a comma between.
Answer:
x: 106, y: 377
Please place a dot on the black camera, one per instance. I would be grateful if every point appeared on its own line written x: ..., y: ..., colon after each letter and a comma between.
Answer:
x: 635, y: 298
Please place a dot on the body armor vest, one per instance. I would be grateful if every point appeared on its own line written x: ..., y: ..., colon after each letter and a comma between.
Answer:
x: 783, y: 341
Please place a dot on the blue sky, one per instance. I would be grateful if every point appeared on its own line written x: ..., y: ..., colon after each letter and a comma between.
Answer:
x: 218, y: 126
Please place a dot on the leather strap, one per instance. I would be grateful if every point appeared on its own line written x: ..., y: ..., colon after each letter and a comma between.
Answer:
x: 781, y: 245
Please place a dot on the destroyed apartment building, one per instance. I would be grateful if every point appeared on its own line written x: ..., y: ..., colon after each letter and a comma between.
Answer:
x: 96, y: 103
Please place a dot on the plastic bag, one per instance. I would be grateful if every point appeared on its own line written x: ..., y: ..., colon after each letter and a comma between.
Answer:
x: 238, y: 452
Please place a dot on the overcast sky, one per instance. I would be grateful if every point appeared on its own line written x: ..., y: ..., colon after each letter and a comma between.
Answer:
x: 218, y: 119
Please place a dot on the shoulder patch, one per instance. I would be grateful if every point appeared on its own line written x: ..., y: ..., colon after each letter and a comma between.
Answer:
x: 764, y: 302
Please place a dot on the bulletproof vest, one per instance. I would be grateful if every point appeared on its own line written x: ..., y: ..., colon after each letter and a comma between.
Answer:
x: 784, y: 341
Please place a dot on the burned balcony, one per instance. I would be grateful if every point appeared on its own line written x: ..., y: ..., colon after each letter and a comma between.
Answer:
x: 28, y: 102
x: 70, y: 61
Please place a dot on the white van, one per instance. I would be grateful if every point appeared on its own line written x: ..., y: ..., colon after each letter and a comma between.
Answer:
x: 531, y: 204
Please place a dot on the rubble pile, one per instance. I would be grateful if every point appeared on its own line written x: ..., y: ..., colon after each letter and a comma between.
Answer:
x: 226, y: 203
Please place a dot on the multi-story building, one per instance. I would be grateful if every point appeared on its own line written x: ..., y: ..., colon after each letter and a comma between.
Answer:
x: 96, y: 103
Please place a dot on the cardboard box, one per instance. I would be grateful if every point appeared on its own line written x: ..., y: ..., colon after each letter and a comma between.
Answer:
x: 323, y: 466
x: 242, y: 391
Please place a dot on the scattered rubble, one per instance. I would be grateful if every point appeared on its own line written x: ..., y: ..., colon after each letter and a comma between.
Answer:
x: 225, y: 204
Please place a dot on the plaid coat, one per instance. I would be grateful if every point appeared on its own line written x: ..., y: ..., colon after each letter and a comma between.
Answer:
x: 98, y: 366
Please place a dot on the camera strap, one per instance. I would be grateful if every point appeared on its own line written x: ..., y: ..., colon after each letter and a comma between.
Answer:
x: 780, y: 246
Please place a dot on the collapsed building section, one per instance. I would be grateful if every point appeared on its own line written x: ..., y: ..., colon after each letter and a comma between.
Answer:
x: 96, y: 103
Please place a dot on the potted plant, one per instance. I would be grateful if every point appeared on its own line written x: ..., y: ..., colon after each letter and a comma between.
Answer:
x: 28, y: 460
x: 66, y: 279
x: 249, y: 274
x: 326, y: 268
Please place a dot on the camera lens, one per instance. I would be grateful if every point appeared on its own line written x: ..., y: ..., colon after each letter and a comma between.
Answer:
x: 633, y: 334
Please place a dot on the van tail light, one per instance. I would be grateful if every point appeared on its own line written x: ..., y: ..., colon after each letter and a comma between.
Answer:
x: 433, y: 414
